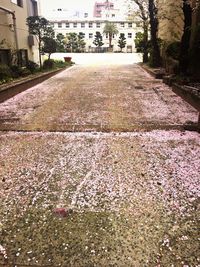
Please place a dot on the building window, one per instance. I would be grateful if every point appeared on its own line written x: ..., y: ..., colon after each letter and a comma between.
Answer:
x: 75, y: 25
x: 113, y: 15
x: 82, y: 34
x: 34, y: 8
x: 59, y: 25
x: 130, y: 24
x: 59, y: 9
x: 122, y: 24
x: 113, y: 36
x: 82, y: 25
x: 90, y: 35
x: 90, y: 25
x: 17, y: 2
x: 106, y: 35
x: 5, y: 56
x: 129, y: 35
x: 85, y: 15
x: 67, y: 25
x: 98, y: 25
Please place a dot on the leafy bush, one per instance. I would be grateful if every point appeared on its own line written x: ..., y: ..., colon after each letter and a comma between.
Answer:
x: 48, y: 64
x: 16, y: 71
x: 5, y: 73
x: 173, y: 50
x: 61, y: 64
x: 139, y: 43
x: 32, y: 66
x: 25, y: 72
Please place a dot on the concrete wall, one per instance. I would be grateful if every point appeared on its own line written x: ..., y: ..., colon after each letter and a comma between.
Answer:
x: 7, y: 29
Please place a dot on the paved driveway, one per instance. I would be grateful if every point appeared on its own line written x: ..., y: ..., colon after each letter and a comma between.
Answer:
x: 97, y: 97
x: 96, y: 170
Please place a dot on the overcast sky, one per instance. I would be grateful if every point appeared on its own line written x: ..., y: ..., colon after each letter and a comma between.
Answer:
x: 74, y: 4
x: 69, y: 4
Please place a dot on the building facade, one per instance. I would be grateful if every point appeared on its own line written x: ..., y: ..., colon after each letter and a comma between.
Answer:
x: 100, y: 8
x: 90, y: 27
x: 14, y: 34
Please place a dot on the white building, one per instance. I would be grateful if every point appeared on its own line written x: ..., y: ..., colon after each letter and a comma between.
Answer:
x: 90, y: 27
x: 66, y: 20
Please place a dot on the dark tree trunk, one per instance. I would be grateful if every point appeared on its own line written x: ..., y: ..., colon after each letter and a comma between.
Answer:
x: 155, y: 53
x: 185, y: 41
x: 195, y: 45
x: 145, y: 41
x: 110, y: 40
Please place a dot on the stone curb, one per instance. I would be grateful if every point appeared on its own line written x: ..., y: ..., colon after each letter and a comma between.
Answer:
x: 156, y: 73
x: 187, y: 93
x: 9, y: 90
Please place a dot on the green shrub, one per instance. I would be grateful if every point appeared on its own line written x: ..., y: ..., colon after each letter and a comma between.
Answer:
x: 25, y: 72
x: 32, y: 66
x: 5, y: 73
x: 48, y: 64
x: 61, y: 64
x: 139, y: 42
x: 173, y: 50
x: 16, y: 71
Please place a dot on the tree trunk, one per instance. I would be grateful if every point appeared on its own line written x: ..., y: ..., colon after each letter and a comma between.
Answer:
x: 155, y: 53
x: 195, y: 45
x: 110, y: 41
x: 185, y: 41
x: 145, y: 41
x: 40, y: 59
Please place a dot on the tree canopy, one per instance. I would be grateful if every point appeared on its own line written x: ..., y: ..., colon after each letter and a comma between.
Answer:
x: 122, y: 41
x: 98, y: 39
x: 41, y: 28
x: 75, y: 42
x: 110, y: 29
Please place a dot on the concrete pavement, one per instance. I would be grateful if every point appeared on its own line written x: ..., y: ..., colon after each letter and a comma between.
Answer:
x: 97, y: 98
x: 96, y: 170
